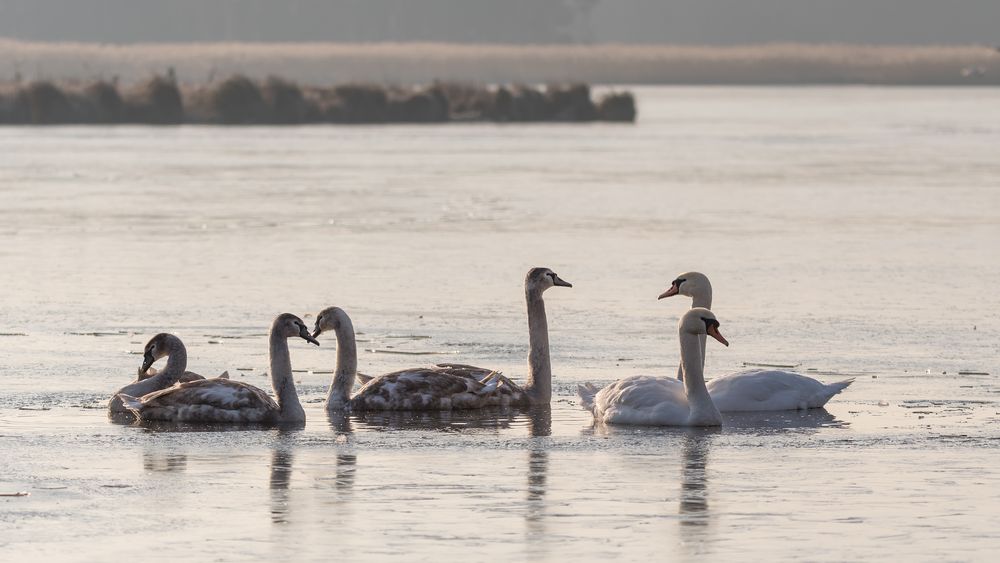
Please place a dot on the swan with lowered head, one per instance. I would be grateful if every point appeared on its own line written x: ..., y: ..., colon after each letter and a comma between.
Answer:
x: 753, y: 390
x: 445, y: 386
x: 663, y: 401
x: 149, y: 380
x: 222, y: 400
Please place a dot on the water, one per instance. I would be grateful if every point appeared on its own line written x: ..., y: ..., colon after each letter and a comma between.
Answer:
x: 849, y: 231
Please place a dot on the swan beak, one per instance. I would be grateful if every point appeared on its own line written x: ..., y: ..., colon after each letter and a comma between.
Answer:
x: 147, y: 362
x: 304, y: 333
x: 668, y: 293
x: 317, y: 332
x: 561, y: 282
x: 713, y: 331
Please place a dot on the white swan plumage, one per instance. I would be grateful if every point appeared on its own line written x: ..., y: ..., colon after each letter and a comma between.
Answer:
x: 222, y: 400
x: 753, y: 390
x: 444, y: 386
x: 662, y: 401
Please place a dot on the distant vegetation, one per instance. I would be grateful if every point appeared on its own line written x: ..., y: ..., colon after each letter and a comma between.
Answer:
x: 238, y: 100
x: 325, y: 64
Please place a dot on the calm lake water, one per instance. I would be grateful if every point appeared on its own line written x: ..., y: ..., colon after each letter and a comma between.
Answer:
x: 851, y: 232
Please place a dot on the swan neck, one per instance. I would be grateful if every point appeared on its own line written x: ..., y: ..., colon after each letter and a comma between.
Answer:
x: 346, y: 371
x: 539, y: 386
x: 702, y: 299
x: 282, y: 380
x: 702, y: 407
x: 176, y: 362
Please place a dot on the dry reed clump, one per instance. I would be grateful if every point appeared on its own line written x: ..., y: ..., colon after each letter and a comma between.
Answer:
x: 239, y: 100
x: 417, y: 106
x: 617, y: 106
x: 43, y: 103
x: 528, y: 104
x: 286, y: 104
x: 570, y: 102
x: 101, y: 103
x: 467, y: 102
x: 357, y: 103
x: 156, y: 101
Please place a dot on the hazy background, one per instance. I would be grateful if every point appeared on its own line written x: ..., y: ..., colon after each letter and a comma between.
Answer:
x: 722, y: 22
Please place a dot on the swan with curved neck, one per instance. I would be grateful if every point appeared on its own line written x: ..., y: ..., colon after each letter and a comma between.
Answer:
x: 222, y: 400
x: 753, y: 390
x: 663, y: 401
x: 161, y: 345
x: 445, y: 386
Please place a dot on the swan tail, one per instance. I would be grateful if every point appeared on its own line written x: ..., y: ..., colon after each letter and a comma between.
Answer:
x: 224, y: 375
x: 587, y: 391
x: 829, y: 390
x: 131, y: 403
x: 489, y: 387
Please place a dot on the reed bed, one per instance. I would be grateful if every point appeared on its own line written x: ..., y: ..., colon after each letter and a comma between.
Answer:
x: 240, y: 100
x: 325, y: 64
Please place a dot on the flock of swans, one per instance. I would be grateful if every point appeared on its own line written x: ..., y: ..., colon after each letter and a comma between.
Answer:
x: 177, y: 395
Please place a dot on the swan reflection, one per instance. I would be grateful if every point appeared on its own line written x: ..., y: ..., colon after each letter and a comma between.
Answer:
x: 161, y: 461
x: 539, y: 426
x: 446, y: 421
x: 694, y: 481
x: 282, y: 461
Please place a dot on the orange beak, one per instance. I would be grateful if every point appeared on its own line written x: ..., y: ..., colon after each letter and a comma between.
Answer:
x: 668, y: 293
x: 713, y: 331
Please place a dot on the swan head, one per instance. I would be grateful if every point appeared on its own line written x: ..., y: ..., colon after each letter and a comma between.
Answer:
x: 289, y: 326
x: 540, y: 279
x: 331, y: 318
x: 158, y: 347
x: 689, y: 284
x: 701, y: 321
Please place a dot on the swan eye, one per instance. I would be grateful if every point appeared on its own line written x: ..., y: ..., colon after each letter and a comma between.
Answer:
x: 678, y: 282
x: 552, y: 275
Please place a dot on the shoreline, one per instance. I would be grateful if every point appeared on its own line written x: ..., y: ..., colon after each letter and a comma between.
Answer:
x: 325, y: 64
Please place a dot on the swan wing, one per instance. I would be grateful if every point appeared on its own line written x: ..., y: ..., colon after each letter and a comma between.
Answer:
x: 642, y: 399
x: 770, y: 390
x: 208, y: 400
x: 465, y: 370
x: 423, y: 389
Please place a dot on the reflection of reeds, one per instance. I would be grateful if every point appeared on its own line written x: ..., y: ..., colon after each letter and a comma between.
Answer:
x: 240, y: 100
x: 416, y: 63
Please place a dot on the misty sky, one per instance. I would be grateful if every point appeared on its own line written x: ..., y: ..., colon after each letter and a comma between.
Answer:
x: 507, y: 21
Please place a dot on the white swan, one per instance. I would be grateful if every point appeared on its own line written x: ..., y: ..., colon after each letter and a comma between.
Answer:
x: 150, y: 380
x: 445, y: 386
x: 222, y: 400
x: 753, y: 390
x: 663, y: 401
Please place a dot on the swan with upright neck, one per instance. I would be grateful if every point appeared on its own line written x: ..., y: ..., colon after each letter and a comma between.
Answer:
x: 222, y: 400
x: 753, y: 390
x: 445, y: 386
x: 663, y: 401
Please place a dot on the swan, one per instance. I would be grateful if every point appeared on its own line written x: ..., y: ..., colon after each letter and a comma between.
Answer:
x: 222, y: 400
x: 444, y: 386
x: 149, y: 379
x: 753, y: 390
x: 663, y: 401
